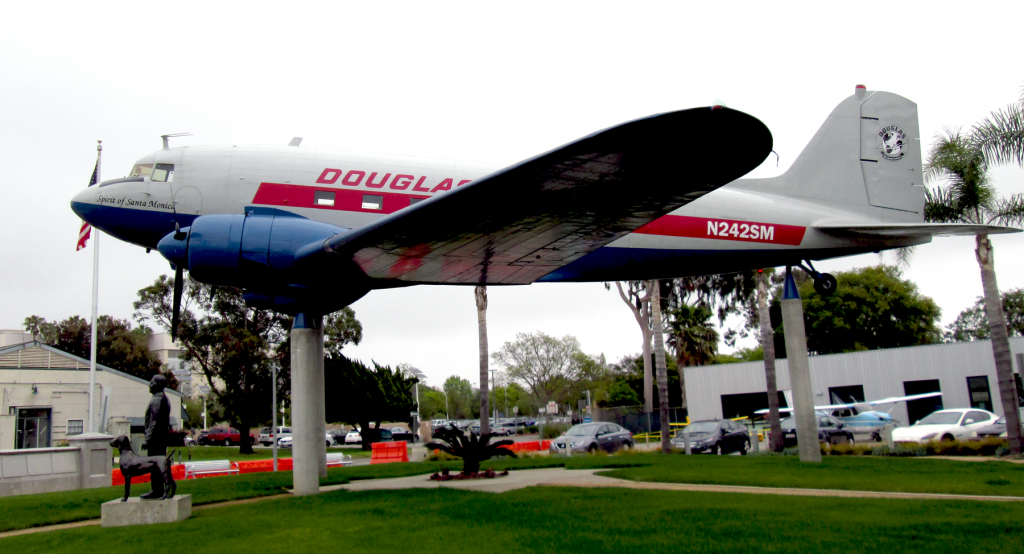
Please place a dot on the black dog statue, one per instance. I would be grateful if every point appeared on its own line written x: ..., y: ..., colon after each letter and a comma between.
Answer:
x: 158, y: 467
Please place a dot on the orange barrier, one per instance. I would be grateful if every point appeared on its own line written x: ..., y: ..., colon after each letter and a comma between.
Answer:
x: 389, y: 452
x: 178, y: 470
x: 527, y: 446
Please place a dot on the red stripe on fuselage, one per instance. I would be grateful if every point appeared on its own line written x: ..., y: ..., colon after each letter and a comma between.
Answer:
x: 302, y: 196
x: 724, y: 229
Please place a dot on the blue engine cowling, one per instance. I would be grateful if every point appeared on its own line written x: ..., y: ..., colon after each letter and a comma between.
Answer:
x: 263, y: 251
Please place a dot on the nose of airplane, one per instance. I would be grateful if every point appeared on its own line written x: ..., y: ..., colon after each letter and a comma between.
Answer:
x: 82, y: 201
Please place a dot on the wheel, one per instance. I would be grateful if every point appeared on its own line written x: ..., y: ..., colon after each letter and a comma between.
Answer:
x: 592, y: 449
x: 826, y: 286
x: 948, y: 438
x: 849, y: 439
x: 627, y: 446
x: 716, y: 449
x: 227, y: 442
x: 744, y: 448
x: 328, y: 444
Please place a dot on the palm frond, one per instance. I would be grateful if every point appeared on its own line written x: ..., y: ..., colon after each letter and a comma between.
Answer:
x: 1009, y: 211
x: 1000, y: 136
x: 941, y: 207
x: 903, y: 256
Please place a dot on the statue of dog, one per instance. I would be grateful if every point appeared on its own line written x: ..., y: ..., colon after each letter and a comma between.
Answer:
x: 158, y: 467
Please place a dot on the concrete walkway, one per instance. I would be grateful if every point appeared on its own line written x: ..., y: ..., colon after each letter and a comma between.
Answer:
x: 561, y: 477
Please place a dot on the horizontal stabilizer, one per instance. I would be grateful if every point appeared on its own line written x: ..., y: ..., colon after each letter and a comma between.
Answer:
x: 890, y: 400
x: 898, y: 230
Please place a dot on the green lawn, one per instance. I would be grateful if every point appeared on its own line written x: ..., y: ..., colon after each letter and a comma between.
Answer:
x: 850, y: 473
x: 561, y: 520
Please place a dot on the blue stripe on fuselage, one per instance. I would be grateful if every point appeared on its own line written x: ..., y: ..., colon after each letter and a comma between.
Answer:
x: 142, y: 227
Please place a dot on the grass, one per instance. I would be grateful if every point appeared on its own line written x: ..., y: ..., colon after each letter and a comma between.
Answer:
x: 558, y: 520
x: 837, y: 472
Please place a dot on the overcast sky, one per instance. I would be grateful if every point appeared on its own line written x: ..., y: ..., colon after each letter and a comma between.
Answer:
x: 473, y: 81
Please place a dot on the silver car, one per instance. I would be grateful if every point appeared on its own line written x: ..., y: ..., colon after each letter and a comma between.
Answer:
x: 591, y: 437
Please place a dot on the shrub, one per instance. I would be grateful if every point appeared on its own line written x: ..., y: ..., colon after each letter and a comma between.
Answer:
x: 553, y: 430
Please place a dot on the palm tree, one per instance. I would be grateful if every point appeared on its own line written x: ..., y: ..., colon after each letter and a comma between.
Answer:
x: 694, y: 338
x: 962, y: 161
x: 481, y: 318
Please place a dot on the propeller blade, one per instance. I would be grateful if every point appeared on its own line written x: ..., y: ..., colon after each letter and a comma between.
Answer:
x: 179, y: 285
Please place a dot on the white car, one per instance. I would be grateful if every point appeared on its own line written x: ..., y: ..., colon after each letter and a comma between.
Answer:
x: 945, y: 425
x: 353, y: 437
x: 286, y: 441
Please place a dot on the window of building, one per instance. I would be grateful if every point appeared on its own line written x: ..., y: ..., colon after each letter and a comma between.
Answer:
x: 979, y: 392
x: 163, y: 173
x: 846, y: 395
x: 739, y: 405
x: 373, y: 202
x: 75, y: 427
x: 33, y: 428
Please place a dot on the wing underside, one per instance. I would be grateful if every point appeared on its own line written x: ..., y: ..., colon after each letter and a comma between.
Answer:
x: 518, y: 224
x: 912, y: 230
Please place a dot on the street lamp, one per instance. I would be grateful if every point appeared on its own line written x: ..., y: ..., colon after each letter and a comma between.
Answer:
x: 493, y: 371
x: 420, y: 376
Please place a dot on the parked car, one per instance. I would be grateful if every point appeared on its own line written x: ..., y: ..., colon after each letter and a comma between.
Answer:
x: 284, y: 442
x: 946, y: 425
x: 189, y: 441
x: 202, y: 437
x: 507, y: 428
x: 226, y: 436
x: 337, y: 436
x: 353, y: 437
x: 997, y: 429
x: 830, y: 430
x: 267, y: 437
x: 438, y: 423
x: 714, y: 436
x: 591, y: 437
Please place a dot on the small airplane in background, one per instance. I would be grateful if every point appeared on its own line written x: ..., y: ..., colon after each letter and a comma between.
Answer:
x: 307, y: 230
x: 860, y: 417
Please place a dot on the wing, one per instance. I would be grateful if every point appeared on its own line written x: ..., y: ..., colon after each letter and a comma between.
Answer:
x: 898, y: 230
x: 902, y: 398
x: 522, y: 222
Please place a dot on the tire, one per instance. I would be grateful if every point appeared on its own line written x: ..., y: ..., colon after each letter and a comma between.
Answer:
x: 227, y: 442
x: 826, y: 286
x: 744, y: 448
x: 948, y: 438
x: 716, y: 449
x: 627, y: 446
x: 592, y: 449
x: 849, y: 439
x: 328, y: 444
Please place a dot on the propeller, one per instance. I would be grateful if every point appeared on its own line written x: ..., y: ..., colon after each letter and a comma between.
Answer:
x: 179, y: 285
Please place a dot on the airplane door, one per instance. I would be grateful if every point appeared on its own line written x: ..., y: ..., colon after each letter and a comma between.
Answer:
x: 188, y: 201
x: 890, y: 152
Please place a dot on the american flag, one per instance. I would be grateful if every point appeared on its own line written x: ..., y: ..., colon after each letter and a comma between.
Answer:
x: 86, y: 231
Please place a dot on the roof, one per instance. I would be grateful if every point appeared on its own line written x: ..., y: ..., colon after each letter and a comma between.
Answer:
x: 81, y: 364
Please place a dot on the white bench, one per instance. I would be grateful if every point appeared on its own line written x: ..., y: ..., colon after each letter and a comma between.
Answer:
x: 338, y: 460
x: 192, y: 469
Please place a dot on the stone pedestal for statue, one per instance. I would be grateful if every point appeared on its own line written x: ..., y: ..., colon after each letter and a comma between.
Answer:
x: 145, y: 512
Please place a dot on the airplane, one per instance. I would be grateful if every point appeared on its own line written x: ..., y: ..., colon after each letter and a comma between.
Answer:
x: 860, y: 417
x: 309, y: 230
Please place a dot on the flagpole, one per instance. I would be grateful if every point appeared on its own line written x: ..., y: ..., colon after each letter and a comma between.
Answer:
x: 95, y: 293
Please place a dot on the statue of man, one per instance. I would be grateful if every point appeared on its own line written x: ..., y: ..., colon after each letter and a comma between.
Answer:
x: 158, y: 418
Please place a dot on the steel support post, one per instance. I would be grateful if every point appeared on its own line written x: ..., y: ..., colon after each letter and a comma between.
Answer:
x: 799, y: 371
x: 308, y: 408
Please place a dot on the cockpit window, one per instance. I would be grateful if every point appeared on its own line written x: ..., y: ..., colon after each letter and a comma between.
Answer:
x: 143, y: 170
x: 164, y: 173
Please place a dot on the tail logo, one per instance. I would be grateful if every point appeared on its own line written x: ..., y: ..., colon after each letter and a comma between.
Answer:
x: 890, y: 141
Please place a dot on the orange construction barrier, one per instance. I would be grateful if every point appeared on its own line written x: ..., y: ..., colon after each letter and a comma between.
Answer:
x: 388, y: 452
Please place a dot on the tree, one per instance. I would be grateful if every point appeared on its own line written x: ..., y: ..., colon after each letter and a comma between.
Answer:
x: 459, y: 397
x: 962, y: 161
x: 639, y: 303
x: 231, y: 344
x: 118, y: 345
x: 972, y: 323
x: 481, y: 318
x: 872, y: 308
x: 544, y: 364
x: 361, y: 395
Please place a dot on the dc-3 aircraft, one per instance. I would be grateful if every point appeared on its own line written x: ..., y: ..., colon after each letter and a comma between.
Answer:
x: 860, y: 417
x: 308, y: 231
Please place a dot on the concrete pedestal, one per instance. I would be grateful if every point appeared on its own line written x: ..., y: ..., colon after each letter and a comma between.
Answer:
x: 800, y: 372
x: 309, y: 449
x: 145, y: 512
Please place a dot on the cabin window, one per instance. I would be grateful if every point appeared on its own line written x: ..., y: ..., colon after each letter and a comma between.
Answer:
x: 323, y: 198
x: 141, y: 170
x: 373, y: 202
x: 163, y: 173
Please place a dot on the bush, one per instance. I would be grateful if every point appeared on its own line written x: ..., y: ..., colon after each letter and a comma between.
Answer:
x: 553, y: 430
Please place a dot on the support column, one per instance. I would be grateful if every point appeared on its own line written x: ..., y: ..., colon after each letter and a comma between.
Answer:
x: 799, y: 371
x: 308, y: 445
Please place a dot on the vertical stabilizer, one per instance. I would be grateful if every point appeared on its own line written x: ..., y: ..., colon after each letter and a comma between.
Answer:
x: 866, y: 154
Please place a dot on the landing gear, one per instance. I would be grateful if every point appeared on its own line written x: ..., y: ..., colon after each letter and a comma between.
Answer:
x: 824, y: 284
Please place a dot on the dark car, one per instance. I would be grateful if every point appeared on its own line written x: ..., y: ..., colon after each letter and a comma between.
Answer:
x: 591, y: 437
x: 223, y: 435
x: 715, y: 436
x: 830, y: 430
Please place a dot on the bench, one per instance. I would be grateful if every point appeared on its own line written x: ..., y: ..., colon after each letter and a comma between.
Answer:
x: 212, y: 467
x: 338, y: 460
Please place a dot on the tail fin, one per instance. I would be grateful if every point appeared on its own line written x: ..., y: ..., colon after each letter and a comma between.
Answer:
x: 867, y: 154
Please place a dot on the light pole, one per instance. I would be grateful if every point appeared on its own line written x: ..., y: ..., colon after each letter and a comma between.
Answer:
x: 446, y: 416
x: 420, y: 376
x: 493, y: 371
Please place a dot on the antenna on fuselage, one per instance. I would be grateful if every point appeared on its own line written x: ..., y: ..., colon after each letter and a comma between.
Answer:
x: 165, y: 137
x: 295, y: 141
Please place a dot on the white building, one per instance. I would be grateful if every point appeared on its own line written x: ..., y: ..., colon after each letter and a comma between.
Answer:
x: 964, y: 372
x: 44, y: 397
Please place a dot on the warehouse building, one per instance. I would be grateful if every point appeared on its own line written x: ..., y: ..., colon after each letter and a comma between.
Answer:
x: 964, y: 372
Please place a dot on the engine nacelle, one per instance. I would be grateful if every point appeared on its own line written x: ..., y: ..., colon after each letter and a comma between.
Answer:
x: 256, y: 250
